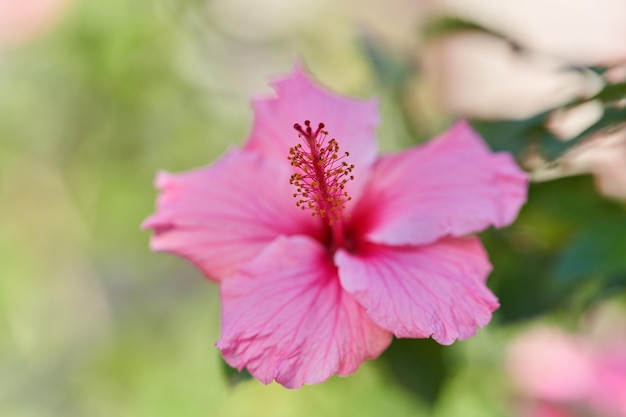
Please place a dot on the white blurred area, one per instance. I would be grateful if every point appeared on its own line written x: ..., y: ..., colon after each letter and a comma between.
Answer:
x: 577, y: 32
x: 266, y: 20
x: 482, y: 76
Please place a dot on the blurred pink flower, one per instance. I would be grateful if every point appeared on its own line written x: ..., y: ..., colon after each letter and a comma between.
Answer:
x: 609, y: 393
x: 549, y: 364
x: 22, y: 20
x: 547, y: 409
x: 571, y: 371
x: 369, y: 247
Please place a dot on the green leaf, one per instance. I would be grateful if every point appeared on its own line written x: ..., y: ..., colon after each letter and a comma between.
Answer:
x: 446, y: 25
x: 517, y: 136
x: 612, y: 92
x: 233, y: 376
x: 527, y: 277
x: 598, y: 250
x: 612, y: 116
x: 418, y: 366
x: 391, y: 71
x: 512, y: 135
x: 609, y: 94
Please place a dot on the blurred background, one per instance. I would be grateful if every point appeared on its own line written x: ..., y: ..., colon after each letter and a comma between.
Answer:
x: 95, y: 97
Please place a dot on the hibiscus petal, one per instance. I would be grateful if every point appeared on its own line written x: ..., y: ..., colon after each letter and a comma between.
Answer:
x: 436, y: 290
x: 453, y: 185
x: 286, y: 318
x: 351, y: 122
x: 221, y: 216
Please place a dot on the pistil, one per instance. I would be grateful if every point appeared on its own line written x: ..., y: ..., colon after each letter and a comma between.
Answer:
x: 320, y: 186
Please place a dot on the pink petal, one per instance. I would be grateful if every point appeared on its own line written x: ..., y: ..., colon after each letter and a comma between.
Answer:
x: 546, y: 409
x: 453, y: 185
x: 221, y: 216
x: 286, y: 318
x: 549, y: 364
x: 436, y: 290
x: 351, y: 122
x: 610, y: 389
x: 23, y: 20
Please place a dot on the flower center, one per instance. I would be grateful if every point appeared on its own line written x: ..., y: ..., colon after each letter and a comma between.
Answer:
x: 320, y: 186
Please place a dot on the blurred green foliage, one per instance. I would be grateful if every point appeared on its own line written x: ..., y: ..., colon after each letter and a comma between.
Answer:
x: 566, y: 237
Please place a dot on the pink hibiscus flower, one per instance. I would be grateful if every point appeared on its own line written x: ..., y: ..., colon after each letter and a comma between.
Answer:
x: 578, y: 372
x: 323, y: 250
x: 23, y: 20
